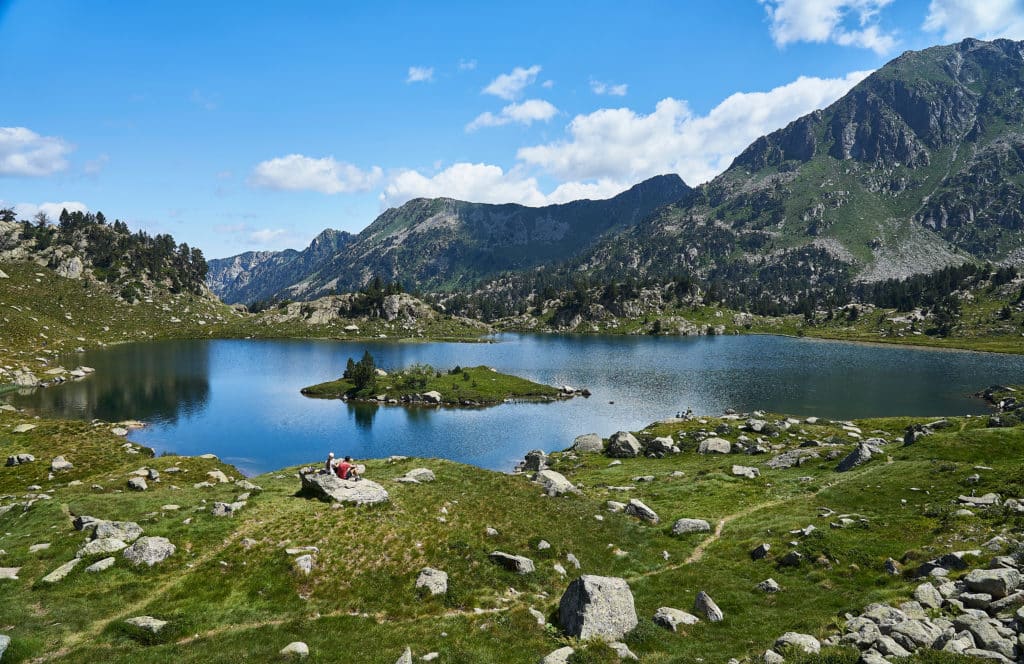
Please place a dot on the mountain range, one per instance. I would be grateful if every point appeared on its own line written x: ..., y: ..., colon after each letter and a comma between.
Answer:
x: 919, y: 166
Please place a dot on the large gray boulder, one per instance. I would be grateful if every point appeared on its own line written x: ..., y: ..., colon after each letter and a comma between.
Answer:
x: 858, y: 457
x: 555, y: 483
x: 535, y: 460
x: 661, y: 446
x: 149, y: 551
x: 714, y: 446
x: 597, y: 607
x: 126, y: 531
x: 588, y: 442
x: 687, y: 526
x: 622, y: 445
x: 513, y: 563
x: 103, y: 546
x: 996, y: 582
x: 331, y: 487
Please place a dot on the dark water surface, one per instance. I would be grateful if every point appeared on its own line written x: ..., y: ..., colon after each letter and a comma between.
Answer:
x: 240, y: 399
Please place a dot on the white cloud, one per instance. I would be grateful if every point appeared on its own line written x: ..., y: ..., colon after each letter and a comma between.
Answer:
x: 420, y: 75
x: 957, y: 19
x: 296, y: 172
x: 526, y: 113
x: 602, y: 88
x: 509, y: 86
x: 51, y: 210
x: 620, y: 145
x: 844, y: 22
x: 482, y: 183
x: 467, y: 65
x: 266, y: 236
x: 24, y: 152
x: 548, y: 84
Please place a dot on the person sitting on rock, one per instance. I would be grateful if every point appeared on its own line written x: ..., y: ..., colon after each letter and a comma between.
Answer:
x: 329, y: 466
x: 347, y: 470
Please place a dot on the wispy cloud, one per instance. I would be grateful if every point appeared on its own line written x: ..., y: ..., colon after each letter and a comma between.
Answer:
x: 526, y: 113
x: 23, y: 152
x: 296, y: 172
x: 510, y: 86
x: 420, y: 75
x: 614, y: 89
x: 467, y: 65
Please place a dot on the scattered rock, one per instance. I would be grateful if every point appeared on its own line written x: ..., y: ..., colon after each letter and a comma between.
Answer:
x: 560, y: 656
x: 769, y: 586
x: 18, y: 459
x: 148, y: 623
x: 434, y: 580
x: 795, y: 640
x: 554, y: 483
x: 746, y: 471
x: 761, y: 551
x: 217, y: 477
x: 536, y: 460
x: 102, y: 546
x: 623, y: 445
x: 9, y: 573
x: 417, y: 476
x: 406, y: 657
x: 588, y: 442
x: 670, y: 618
x: 331, y: 487
x: 714, y: 446
x: 149, y: 551
x: 687, y: 526
x: 996, y: 582
x: 137, y: 484
x: 101, y: 565
x: 858, y: 457
x: 513, y: 563
x: 295, y: 649
x: 60, y: 464
x: 62, y: 571
x: 706, y: 606
x: 126, y: 531
x: 643, y: 512
x: 23, y: 428
x: 597, y: 607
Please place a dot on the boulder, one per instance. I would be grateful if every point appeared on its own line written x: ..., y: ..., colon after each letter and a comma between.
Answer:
x: 555, y: 483
x: 858, y: 457
x: 661, y: 446
x: 643, y: 512
x: 761, y: 551
x: 597, y: 607
x: 746, y: 471
x: 622, y: 445
x: 137, y: 484
x: 226, y: 509
x: 419, y: 475
x: 560, y: 656
x: 433, y: 396
x: 670, y: 618
x: 149, y: 551
x: 513, y: 563
x: 687, y: 526
x: 406, y: 657
x: 126, y: 531
x: 706, y: 606
x: 795, y: 640
x: 101, y: 565
x: 18, y: 459
x: 928, y: 596
x: 996, y: 582
x: 9, y: 573
x: 216, y: 477
x: 769, y: 586
x: 62, y: 571
x: 714, y: 446
x: 296, y: 649
x: 434, y: 580
x: 331, y: 487
x: 60, y: 464
x: 103, y: 546
x: 535, y: 460
x: 588, y: 442
x: 148, y: 623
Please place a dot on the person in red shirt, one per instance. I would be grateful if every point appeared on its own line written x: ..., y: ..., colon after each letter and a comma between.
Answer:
x: 346, y: 469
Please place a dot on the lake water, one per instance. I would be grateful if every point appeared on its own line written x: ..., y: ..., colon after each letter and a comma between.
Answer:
x: 240, y: 399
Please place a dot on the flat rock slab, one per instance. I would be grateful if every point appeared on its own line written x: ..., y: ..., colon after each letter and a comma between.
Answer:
x: 517, y: 564
x: 102, y: 546
x: 24, y: 428
x: 101, y: 565
x: 148, y: 623
x: 9, y: 573
x: 61, y: 572
x: 331, y: 487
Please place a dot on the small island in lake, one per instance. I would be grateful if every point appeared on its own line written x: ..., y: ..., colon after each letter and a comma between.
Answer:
x: 422, y: 384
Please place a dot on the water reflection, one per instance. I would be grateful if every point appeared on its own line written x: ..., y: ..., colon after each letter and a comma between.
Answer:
x: 363, y: 414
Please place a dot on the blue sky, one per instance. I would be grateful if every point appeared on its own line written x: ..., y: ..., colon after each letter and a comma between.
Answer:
x: 251, y: 125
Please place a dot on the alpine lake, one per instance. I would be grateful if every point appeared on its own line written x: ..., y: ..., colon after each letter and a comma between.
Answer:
x: 240, y: 400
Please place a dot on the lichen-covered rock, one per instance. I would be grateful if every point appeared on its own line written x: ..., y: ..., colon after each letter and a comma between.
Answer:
x: 597, y: 607
x: 687, y: 526
x: 149, y: 551
x: 434, y: 580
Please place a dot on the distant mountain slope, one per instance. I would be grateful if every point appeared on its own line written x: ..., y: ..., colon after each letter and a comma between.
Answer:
x: 921, y: 165
x: 438, y: 243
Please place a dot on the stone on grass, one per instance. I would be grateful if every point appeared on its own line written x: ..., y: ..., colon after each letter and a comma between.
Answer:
x: 798, y: 641
x: 706, y: 606
x: 670, y: 618
x: 419, y: 475
x: 406, y: 657
x: 217, y: 477
x: 126, y: 531
x: 149, y: 551
x: 746, y: 471
x: 137, y: 484
x: 227, y: 509
x: 18, y: 459
x: 304, y: 564
x: 513, y: 563
x: 769, y: 586
x: 332, y: 487
x: 928, y: 596
x: 5, y: 641
x: 554, y: 483
x: 996, y: 582
x: 761, y: 552
x: 60, y: 464
x: 102, y: 546
x: 687, y: 526
x: 597, y: 607
x: 62, y: 571
x: 295, y: 649
x: 23, y: 428
x: 858, y: 457
x: 147, y: 623
x: 9, y: 573
x: 643, y: 512
x: 623, y: 445
x: 588, y: 442
x: 714, y: 446
x: 101, y: 565
x: 434, y: 580
x: 560, y: 656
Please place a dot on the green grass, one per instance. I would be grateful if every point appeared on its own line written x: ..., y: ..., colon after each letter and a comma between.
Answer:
x: 226, y: 602
x: 479, y: 385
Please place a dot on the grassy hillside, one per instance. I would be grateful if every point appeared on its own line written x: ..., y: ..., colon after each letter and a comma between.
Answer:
x: 231, y: 591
